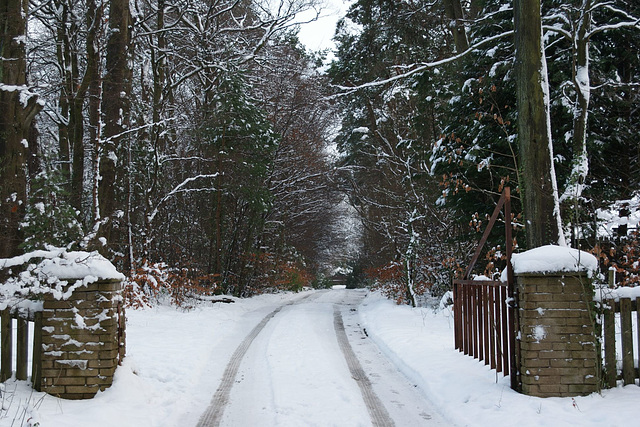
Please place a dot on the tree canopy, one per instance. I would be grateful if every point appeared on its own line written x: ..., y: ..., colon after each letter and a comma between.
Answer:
x: 198, y: 144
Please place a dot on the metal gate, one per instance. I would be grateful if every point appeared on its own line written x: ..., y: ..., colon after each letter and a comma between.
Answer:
x: 485, y: 315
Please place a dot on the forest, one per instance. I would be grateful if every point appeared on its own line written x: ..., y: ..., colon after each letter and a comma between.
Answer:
x: 201, y: 148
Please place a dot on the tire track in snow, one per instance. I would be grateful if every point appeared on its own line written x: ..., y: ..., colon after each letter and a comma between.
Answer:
x: 213, y: 415
x: 379, y: 415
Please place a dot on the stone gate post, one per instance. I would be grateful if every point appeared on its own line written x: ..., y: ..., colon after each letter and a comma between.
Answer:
x: 558, y: 351
x: 82, y: 326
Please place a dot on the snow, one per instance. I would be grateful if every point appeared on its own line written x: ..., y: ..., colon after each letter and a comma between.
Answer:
x: 610, y: 219
x: 551, y: 258
x: 465, y: 390
x: 298, y: 348
x: 539, y: 333
x: 605, y: 293
x: 79, y: 265
x: 175, y: 359
x: 62, y: 264
x: 48, y: 271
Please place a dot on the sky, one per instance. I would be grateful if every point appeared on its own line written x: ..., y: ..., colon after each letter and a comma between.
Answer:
x: 318, y: 35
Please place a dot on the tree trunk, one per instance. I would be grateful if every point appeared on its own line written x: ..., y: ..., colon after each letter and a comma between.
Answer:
x: 71, y: 102
x: 115, y: 108
x: 63, y: 56
x: 18, y: 107
x: 92, y: 80
x: 572, y: 193
x: 538, y: 182
x: 455, y: 14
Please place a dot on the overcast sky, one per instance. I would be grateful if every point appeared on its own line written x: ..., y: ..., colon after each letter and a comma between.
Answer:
x: 317, y: 35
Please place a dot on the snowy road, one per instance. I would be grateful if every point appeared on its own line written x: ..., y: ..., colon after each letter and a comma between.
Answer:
x: 309, y: 363
x: 294, y: 372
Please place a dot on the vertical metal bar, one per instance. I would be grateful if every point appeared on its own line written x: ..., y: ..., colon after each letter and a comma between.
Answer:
x: 508, y: 233
x: 610, y: 369
x: 456, y: 316
x: 469, y: 320
x: 487, y: 326
x: 480, y: 323
x: 514, y: 355
x: 638, y: 331
x: 474, y: 309
x: 122, y: 335
x: 465, y: 321
x: 490, y: 326
x: 498, y: 320
x: 505, y: 331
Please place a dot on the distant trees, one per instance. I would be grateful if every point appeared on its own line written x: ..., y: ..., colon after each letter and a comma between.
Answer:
x: 386, y: 138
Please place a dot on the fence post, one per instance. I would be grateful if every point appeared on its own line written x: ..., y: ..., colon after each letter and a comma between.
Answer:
x: 628, y: 370
x: 22, y: 348
x: 611, y: 372
x: 638, y: 329
x: 36, y: 360
x: 6, y: 359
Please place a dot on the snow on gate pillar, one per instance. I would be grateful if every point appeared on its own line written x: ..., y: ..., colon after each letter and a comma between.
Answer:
x: 558, y: 351
x: 82, y: 327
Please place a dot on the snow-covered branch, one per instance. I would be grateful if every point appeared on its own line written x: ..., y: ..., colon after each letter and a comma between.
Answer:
x: 179, y: 188
x: 420, y: 67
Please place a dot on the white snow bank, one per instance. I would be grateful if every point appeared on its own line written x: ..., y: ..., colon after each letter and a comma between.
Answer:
x: 550, y: 258
x: 465, y: 390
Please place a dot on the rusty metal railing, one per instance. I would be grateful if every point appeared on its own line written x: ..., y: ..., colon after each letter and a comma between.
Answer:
x: 485, y: 314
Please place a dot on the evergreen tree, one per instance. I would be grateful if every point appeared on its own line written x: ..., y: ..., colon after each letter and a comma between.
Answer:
x: 50, y: 219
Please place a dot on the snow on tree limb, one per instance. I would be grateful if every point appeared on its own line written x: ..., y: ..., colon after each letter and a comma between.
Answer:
x: 420, y: 67
x: 179, y: 189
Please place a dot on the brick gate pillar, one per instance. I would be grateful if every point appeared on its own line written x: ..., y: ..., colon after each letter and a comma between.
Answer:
x: 82, y: 327
x: 558, y: 351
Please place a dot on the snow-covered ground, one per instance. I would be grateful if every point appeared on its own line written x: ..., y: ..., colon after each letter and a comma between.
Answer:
x: 175, y: 360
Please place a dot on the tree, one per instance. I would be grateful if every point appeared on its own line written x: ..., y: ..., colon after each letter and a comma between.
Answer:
x: 538, y: 181
x: 18, y: 107
x: 455, y: 13
x: 66, y: 55
x: 579, y: 33
x: 116, y: 108
x: 387, y: 137
x: 301, y: 180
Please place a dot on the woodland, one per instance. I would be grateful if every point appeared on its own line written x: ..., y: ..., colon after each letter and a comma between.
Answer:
x: 202, y: 149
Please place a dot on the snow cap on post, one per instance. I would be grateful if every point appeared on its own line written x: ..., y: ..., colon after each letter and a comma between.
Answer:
x: 78, y: 265
x: 554, y: 259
